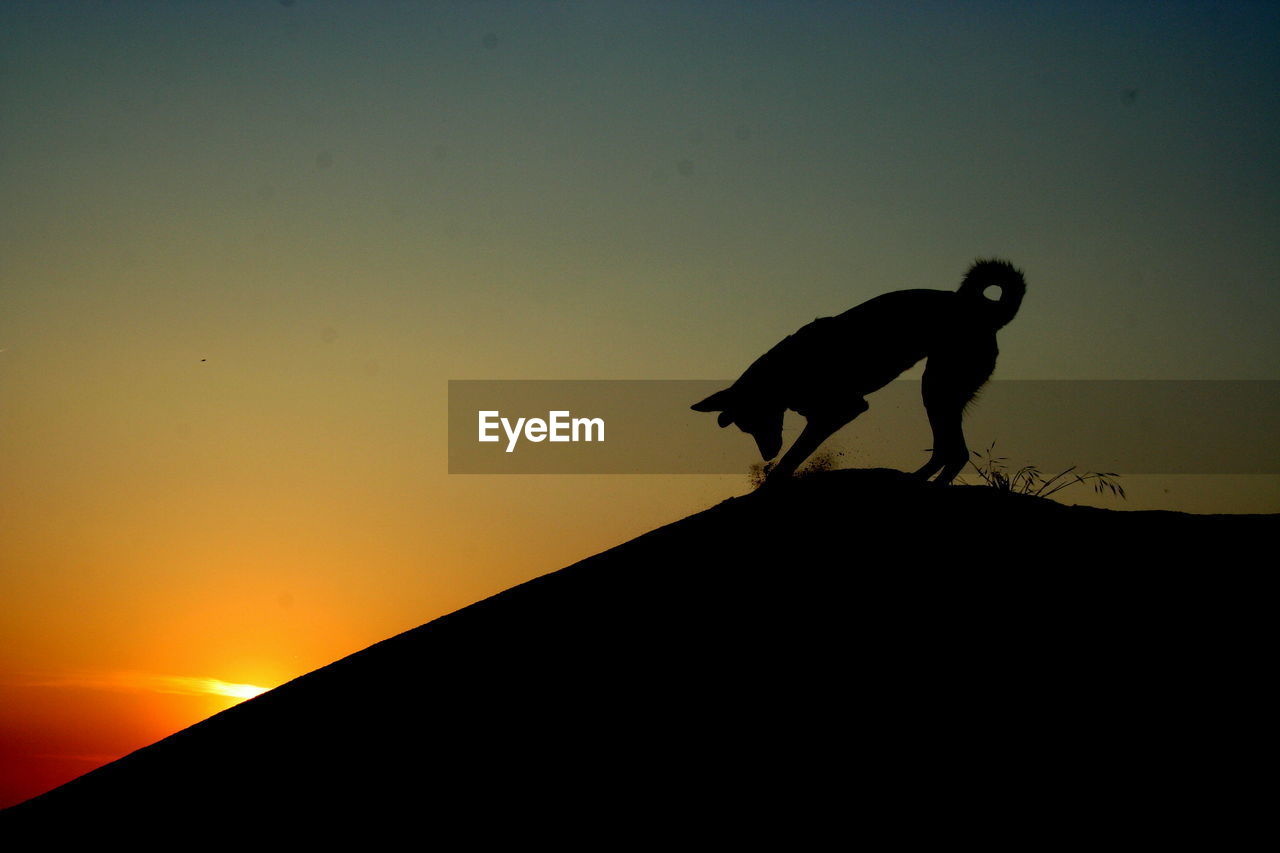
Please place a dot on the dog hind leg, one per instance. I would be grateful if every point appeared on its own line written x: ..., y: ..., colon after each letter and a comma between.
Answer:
x: 950, y: 381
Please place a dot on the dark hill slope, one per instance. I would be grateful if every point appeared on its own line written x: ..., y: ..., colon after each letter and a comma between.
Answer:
x: 849, y: 646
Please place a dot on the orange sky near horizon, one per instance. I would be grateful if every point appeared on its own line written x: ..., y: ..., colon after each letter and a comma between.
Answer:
x: 246, y: 246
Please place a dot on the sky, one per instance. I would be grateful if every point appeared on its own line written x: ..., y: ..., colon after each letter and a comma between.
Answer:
x: 245, y: 245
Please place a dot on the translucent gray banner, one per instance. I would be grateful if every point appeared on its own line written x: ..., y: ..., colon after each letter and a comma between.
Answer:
x: 646, y: 427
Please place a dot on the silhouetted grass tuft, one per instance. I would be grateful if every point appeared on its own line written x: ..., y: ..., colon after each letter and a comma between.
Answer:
x: 1028, y: 480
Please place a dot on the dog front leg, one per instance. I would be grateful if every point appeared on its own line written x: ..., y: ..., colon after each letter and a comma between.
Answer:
x: 818, y: 429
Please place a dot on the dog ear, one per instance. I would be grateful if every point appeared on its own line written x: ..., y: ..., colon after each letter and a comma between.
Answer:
x: 717, y: 402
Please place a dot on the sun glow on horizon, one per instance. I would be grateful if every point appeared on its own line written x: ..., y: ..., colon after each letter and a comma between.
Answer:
x: 182, y: 685
x: 238, y: 691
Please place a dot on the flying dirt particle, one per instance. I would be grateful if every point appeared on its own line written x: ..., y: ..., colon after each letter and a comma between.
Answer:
x: 490, y: 41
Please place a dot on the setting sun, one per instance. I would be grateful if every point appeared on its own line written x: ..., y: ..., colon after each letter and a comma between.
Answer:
x: 239, y: 691
x: 181, y: 685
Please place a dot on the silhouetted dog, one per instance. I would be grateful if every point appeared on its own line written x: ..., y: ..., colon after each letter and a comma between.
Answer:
x: 824, y: 370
